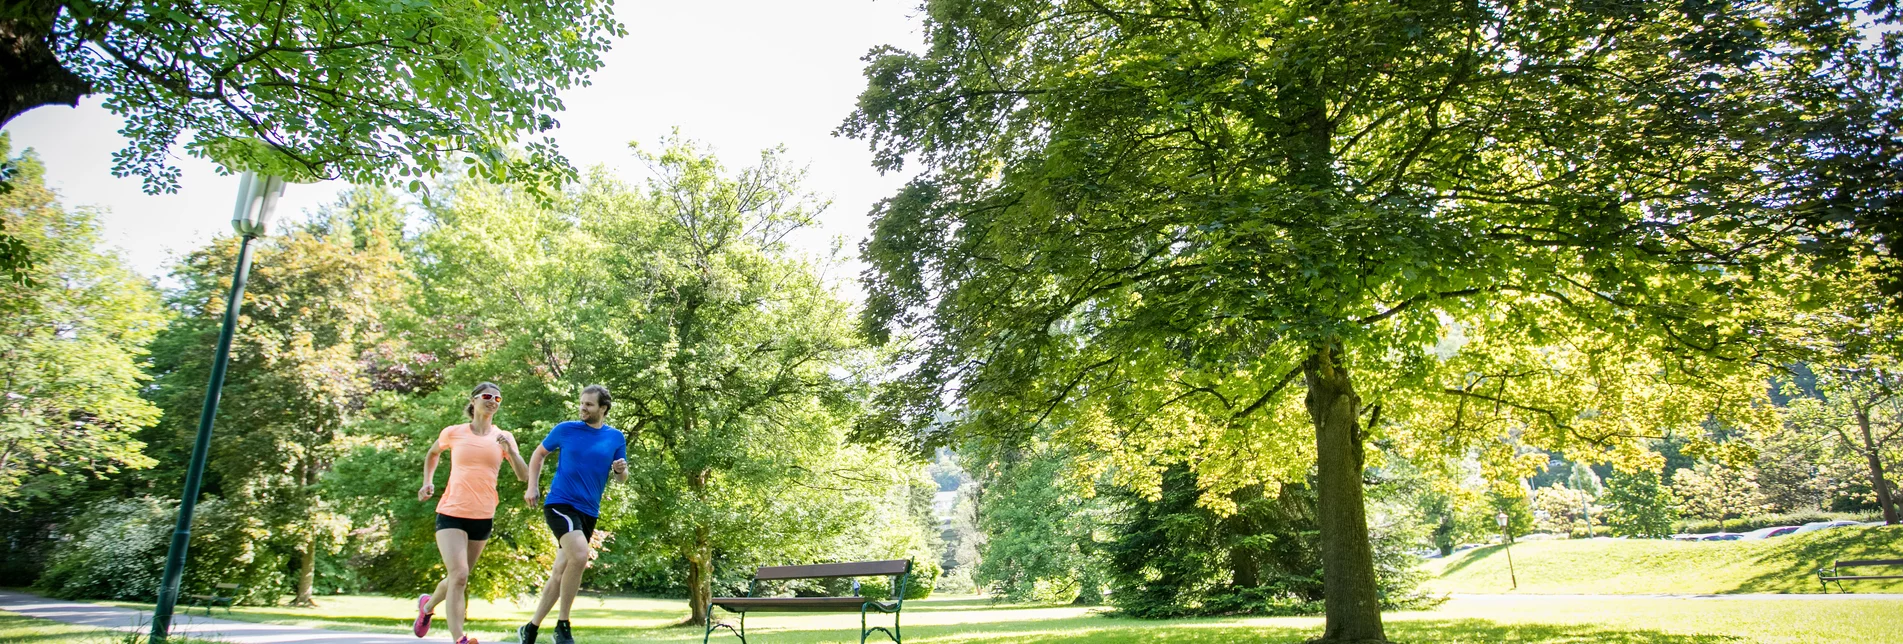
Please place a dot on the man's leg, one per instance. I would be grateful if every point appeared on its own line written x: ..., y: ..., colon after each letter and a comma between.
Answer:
x: 575, y: 543
x: 553, y: 589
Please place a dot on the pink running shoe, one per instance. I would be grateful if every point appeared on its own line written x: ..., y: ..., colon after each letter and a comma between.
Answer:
x: 466, y: 640
x: 421, y: 627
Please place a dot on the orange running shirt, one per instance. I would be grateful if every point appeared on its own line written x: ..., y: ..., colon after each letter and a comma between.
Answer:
x: 473, y: 463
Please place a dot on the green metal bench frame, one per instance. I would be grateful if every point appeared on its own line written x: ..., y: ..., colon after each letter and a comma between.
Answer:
x: 1827, y: 575
x: 208, y: 601
x: 899, y: 569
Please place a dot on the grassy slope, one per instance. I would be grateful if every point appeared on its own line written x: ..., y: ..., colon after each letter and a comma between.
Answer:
x: 970, y: 621
x: 1780, y: 565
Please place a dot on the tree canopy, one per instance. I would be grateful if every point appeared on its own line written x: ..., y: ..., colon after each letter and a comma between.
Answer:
x: 363, y: 91
x: 1185, y: 231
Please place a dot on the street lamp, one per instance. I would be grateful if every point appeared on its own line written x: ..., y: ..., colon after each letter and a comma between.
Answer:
x: 1501, y: 519
x: 251, y: 218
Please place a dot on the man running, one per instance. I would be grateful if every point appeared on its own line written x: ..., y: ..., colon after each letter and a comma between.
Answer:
x: 587, y: 451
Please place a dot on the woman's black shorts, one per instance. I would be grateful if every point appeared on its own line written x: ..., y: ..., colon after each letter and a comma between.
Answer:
x: 478, y: 529
x: 564, y: 518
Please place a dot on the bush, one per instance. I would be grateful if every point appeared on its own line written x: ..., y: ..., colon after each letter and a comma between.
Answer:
x: 117, y: 549
x: 1172, y: 558
x: 1747, y: 524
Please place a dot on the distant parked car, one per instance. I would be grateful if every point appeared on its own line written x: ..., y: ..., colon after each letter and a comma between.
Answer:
x: 1822, y: 525
x: 1720, y: 536
x: 1766, y: 533
x: 1687, y: 537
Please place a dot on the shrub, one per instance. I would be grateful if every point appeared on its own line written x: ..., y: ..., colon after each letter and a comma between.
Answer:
x: 1747, y: 524
x: 117, y: 549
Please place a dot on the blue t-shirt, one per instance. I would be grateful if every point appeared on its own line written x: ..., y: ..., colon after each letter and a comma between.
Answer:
x: 582, y: 460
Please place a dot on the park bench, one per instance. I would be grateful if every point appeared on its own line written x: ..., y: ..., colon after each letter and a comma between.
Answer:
x: 223, y: 596
x: 1835, y: 571
x: 899, y: 569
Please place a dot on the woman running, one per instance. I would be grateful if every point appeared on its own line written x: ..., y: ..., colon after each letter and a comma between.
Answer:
x: 468, y: 508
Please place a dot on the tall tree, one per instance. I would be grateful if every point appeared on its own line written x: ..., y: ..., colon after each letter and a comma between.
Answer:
x: 731, y: 358
x: 1717, y: 492
x: 1161, y: 220
x: 1860, y: 407
x: 314, y: 307
x: 72, y: 340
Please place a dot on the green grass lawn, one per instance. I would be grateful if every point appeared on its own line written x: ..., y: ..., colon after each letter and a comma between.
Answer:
x: 1606, y: 566
x: 15, y: 629
x: 969, y: 620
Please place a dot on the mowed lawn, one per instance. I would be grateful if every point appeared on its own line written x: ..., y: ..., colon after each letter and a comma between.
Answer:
x: 1651, y: 566
x: 1527, y: 620
x: 16, y: 629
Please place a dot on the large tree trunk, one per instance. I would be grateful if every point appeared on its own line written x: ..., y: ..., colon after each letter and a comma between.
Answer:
x: 306, y: 574
x: 700, y: 576
x: 1351, y: 603
x: 1875, y: 458
x: 30, y: 75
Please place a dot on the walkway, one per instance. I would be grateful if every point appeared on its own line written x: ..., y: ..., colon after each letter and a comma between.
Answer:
x: 196, y: 626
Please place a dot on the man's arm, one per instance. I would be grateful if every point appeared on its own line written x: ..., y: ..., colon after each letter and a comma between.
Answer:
x: 620, y: 466
x: 534, y: 490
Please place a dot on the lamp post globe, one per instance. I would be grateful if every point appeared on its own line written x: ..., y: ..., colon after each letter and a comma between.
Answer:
x: 257, y: 204
x: 251, y: 218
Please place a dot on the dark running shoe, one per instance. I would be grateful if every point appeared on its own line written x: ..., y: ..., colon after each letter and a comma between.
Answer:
x: 526, y: 633
x: 562, y: 634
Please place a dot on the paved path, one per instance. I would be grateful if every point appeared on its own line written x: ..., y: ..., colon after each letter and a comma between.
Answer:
x: 199, y: 626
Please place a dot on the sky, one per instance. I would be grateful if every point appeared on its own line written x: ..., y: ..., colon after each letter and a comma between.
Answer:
x: 740, y: 76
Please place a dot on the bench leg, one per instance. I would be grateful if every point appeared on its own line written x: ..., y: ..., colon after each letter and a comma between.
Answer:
x: 865, y: 632
x: 714, y: 625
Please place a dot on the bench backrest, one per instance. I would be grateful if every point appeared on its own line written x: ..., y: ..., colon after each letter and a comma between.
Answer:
x: 1870, y: 562
x: 228, y: 586
x: 831, y: 570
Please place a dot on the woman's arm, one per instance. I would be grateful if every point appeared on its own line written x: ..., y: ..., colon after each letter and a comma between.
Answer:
x: 429, y: 471
x: 514, y: 454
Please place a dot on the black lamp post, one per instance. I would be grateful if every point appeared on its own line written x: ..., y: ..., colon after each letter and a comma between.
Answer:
x: 1501, y: 518
x: 257, y: 199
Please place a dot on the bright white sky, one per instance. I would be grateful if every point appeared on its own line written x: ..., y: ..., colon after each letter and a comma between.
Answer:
x: 739, y: 75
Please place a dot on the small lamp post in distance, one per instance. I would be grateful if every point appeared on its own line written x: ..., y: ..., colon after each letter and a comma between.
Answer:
x: 1501, y: 519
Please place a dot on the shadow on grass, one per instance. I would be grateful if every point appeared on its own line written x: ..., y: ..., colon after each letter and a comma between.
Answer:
x: 1801, y: 557
x: 1473, y: 555
x: 1464, y: 631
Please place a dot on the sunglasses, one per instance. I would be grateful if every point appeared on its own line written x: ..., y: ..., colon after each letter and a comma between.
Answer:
x: 494, y: 397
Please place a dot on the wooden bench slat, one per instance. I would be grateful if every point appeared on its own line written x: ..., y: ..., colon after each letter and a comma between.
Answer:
x: 833, y: 570
x: 1853, y: 578
x: 1869, y: 562
x: 795, y: 604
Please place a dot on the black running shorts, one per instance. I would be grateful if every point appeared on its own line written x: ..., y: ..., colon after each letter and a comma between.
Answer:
x: 478, y: 529
x: 564, y: 518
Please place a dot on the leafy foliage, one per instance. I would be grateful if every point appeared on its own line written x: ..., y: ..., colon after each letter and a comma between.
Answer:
x: 72, y: 340
x: 1170, y: 558
x: 367, y: 91
x: 1637, y: 505
x: 1141, y: 222
x: 1043, y: 539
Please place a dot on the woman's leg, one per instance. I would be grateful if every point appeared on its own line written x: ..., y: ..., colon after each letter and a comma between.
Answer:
x: 475, y: 551
x: 454, y: 546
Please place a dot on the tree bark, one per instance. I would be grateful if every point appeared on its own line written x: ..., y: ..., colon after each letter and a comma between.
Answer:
x: 1351, y: 602
x: 700, y: 576
x: 1875, y: 458
x: 306, y: 574
x: 30, y: 74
